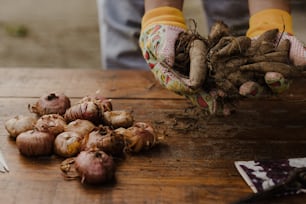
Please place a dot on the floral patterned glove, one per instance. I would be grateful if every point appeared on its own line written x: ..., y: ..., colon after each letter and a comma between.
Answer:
x: 160, y: 29
x: 282, y: 20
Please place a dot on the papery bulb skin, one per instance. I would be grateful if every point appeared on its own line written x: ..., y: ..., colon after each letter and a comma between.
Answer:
x: 52, y: 123
x: 67, y: 144
x: 34, y: 143
x: 19, y: 124
x: 94, y: 166
x: 52, y: 103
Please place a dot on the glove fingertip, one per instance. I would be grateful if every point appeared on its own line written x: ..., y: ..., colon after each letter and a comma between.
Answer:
x: 276, y: 82
x: 250, y: 89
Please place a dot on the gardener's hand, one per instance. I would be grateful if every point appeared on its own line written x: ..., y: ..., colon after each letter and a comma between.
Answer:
x: 282, y: 20
x: 269, y: 19
x: 160, y: 29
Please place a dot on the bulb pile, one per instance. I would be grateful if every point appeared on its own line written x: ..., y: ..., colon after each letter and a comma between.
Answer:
x: 87, y: 135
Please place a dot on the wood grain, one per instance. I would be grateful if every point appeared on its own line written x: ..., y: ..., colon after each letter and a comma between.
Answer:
x: 194, y: 163
x: 17, y: 82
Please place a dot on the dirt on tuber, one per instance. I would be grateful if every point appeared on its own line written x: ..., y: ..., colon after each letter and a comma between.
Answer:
x: 225, y: 62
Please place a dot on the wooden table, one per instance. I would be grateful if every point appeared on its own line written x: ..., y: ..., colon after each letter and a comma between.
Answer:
x: 193, y: 164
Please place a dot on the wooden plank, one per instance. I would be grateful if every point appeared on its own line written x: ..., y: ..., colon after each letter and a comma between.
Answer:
x: 247, y: 131
x: 193, y: 164
x: 34, y: 82
x: 27, y: 82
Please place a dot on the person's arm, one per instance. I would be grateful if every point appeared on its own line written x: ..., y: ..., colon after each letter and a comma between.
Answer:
x: 161, y: 24
x: 151, y: 4
x: 267, y: 15
x: 260, y: 5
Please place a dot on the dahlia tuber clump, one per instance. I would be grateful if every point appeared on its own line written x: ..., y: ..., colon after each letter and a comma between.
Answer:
x: 232, y: 61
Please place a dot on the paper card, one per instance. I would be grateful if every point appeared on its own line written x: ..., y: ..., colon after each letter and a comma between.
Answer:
x: 263, y: 174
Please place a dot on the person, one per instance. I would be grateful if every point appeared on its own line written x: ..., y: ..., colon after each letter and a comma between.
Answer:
x: 164, y: 20
x: 120, y: 25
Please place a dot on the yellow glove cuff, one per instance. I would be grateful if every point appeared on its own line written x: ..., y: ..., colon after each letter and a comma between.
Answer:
x: 164, y: 16
x: 269, y: 19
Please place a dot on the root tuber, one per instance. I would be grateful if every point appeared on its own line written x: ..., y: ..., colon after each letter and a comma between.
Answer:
x: 198, y: 67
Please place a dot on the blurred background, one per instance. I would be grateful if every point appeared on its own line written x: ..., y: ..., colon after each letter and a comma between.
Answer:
x: 65, y: 34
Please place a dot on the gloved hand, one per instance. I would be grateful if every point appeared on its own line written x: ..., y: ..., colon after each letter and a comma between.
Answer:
x: 160, y: 29
x: 282, y: 20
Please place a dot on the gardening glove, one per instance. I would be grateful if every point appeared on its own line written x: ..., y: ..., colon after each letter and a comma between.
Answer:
x: 160, y: 30
x: 282, y: 20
